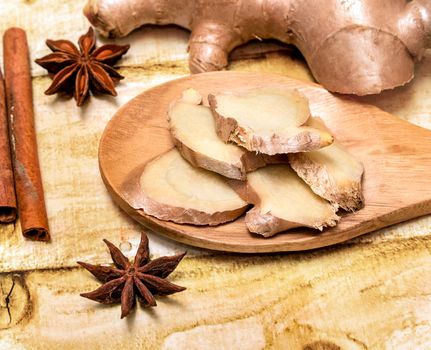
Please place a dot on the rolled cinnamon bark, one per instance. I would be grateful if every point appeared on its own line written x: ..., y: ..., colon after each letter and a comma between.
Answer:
x: 7, y: 188
x: 28, y: 182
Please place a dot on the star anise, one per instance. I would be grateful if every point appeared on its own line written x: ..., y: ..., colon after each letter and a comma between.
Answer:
x: 142, y: 279
x: 79, y: 71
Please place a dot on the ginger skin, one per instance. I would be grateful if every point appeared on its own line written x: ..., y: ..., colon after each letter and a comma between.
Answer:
x: 367, y: 46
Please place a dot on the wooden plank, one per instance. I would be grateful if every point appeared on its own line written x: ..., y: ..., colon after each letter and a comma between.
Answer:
x: 350, y: 297
x: 371, y: 293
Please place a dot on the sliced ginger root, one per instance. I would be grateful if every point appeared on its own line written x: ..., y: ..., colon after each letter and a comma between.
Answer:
x: 173, y: 190
x: 193, y: 130
x: 282, y: 202
x: 331, y: 172
x: 267, y: 120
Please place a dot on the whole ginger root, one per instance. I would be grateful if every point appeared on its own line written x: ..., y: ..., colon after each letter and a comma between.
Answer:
x: 353, y: 46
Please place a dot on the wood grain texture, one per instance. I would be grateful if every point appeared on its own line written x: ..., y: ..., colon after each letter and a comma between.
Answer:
x: 370, y: 293
x: 353, y: 297
x: 393, y: 153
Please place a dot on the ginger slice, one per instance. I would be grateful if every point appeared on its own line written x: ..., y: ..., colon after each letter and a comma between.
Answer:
x: 175, y: 191
x: 282, y: 201
x: 193, y: 130
x: 267, y: 120
x: 331, y: 172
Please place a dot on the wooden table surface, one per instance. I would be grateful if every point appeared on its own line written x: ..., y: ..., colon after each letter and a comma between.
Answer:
x: 370, y: 293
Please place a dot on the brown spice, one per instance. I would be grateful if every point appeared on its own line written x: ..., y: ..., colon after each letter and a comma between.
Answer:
x: 7, y: 189
x: 79, y: 71
x: 142, y: 279
x: 28, y: 182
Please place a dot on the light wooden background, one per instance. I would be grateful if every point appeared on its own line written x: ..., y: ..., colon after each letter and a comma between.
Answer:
x: 370, y: 293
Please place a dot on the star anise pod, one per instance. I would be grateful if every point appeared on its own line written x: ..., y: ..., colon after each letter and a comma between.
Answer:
x: 79, y: 71
x: 142, y: 279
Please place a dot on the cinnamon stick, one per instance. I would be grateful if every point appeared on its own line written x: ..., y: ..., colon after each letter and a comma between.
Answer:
x: 28, y: 182
x: 7, y: 189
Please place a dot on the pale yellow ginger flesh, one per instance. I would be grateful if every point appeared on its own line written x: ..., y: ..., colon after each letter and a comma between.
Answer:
x: 331, y: 172
x: 267, y: 120
x: 283, y: 201
x: 176, y: 191
x: 193, y: 129
x: 265, y: 109
x: 191, y: 96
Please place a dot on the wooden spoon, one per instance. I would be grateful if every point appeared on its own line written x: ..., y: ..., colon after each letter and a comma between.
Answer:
x: 396, y: 156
